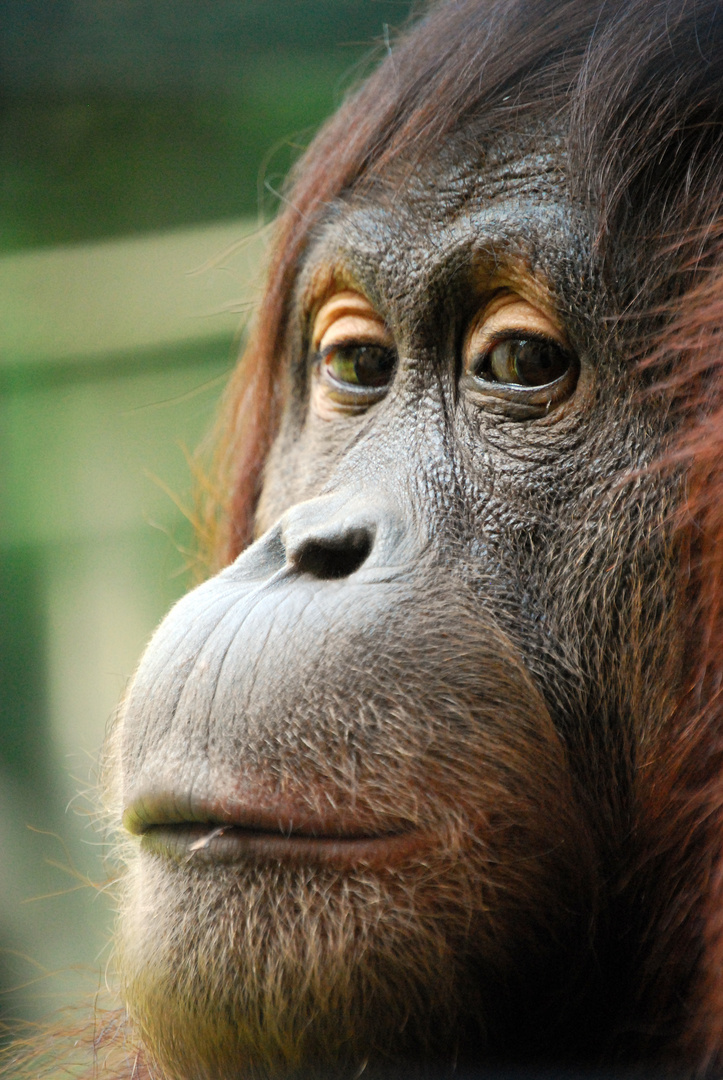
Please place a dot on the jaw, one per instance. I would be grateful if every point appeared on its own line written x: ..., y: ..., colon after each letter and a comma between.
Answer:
x: 268, y: 968
x: 243, y: 961
x: 265, y: 970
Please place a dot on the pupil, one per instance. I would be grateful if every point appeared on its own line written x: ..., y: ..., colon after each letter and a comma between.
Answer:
x: 373, y: 365
x: 538, y: 362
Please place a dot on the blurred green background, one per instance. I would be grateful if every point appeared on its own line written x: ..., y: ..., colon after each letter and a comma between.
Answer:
x: 141, y: 146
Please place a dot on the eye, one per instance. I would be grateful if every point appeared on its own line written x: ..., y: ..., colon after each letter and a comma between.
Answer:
x: 523, y: 361
x: 361, y: 364
x: 353, y: 355
x: 516, y: 360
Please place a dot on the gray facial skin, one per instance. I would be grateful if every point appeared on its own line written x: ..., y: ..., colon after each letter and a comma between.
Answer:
x: 382, y: 767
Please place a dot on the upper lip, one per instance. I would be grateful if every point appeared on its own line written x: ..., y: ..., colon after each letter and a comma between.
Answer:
x: 273, y: 815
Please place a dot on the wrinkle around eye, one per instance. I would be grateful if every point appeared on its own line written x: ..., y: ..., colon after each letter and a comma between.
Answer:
x: 509, y: 316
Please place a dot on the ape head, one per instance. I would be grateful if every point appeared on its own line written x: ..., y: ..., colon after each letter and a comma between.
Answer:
x: 418, y: 777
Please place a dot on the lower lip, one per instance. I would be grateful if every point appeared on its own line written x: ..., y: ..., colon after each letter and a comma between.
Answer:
x: 208, y: 844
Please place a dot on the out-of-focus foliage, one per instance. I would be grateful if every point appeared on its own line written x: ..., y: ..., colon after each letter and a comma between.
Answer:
x: 123, y: 115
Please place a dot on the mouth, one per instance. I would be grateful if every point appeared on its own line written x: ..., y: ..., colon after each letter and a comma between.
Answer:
x: 246, y: 834
x: 192, y: 842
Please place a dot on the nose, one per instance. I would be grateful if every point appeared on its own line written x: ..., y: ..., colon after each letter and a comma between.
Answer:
x: 336, y: 551
x: 331, y: 537
x: 336, y: 535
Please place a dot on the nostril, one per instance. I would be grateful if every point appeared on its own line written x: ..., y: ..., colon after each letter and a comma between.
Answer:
x: 328, y: 557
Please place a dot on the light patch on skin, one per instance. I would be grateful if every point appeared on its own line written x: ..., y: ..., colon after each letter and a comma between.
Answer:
x: 326, y: 280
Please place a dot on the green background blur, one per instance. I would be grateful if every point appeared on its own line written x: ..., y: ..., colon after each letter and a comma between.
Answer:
x: 138, y: 142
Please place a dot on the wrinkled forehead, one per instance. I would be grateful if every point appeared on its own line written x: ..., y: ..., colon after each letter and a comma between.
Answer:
x: 472, y: 170
x: 506, y: 206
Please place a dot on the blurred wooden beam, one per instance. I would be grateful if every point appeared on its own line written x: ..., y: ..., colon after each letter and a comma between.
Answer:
x: 68, y: 304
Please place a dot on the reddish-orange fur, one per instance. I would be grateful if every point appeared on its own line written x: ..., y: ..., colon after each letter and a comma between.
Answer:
x: 695, y: 340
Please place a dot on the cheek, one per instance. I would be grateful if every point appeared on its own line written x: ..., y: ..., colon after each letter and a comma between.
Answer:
x: 282, y: 482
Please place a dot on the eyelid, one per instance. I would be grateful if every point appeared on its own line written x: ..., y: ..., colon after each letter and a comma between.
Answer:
x: 507, y: 316
x: 348, y: 316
